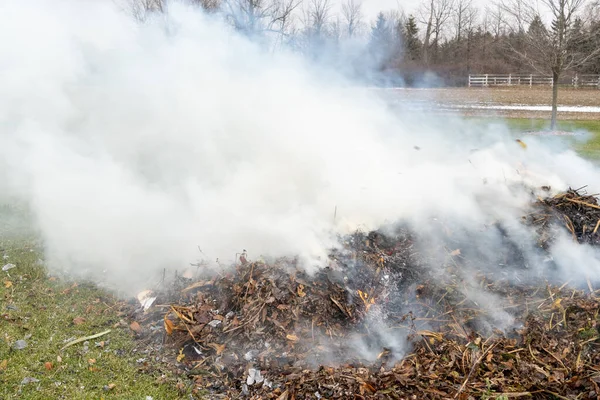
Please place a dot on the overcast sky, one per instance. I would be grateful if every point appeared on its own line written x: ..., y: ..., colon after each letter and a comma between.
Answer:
x: 372, y: 7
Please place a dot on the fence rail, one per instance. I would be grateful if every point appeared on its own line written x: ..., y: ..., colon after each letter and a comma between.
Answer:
x: 590, y: 81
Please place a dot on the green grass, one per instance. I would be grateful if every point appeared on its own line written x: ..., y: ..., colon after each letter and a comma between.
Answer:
x: 41, y: 310
x: 587, y: 146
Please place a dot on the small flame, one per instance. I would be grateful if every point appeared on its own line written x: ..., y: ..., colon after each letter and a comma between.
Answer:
x: 365, y: 298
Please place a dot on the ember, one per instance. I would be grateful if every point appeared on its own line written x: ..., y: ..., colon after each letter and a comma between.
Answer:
x: 377, y: 324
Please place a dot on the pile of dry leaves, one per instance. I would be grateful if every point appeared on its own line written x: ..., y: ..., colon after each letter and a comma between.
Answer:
x: 378, y: 323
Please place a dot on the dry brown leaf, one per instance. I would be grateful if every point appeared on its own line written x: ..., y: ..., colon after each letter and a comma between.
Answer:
x: 48, y: 365
x: 78, y: 320
x: 455, y: 253
x: 219, y: 348
x: 111, y: 386
x: 58, y: 359
x: 134, y: 326
x: 283, y: 396
x: 169, y: 326
x: 92, y: 361
x: 293, y: 338
x: 68, y: 290
x: 3, y: 365
x: 8, y: 284
x: 369, y: 387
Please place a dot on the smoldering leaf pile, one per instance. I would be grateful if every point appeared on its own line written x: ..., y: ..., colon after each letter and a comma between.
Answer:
x: 380, y: 323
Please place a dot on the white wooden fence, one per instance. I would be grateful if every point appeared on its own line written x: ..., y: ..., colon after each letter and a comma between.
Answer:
x: 586, y: 81
x: 530, y: 80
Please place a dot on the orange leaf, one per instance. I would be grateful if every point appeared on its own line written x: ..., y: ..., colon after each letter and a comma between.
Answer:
x: 369, y: 387
x: 78, y: 320
x: 168, y: 325
x: 301, y: 291
x: 8, y: 284
x: 455, y: 253
x: 134, y: 326
x: 92, y: 361
x: 48, y: 365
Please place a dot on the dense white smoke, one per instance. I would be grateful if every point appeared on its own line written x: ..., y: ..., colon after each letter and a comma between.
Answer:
x: 134, y: 144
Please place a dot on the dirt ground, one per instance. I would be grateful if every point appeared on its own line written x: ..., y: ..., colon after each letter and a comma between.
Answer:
x: 503, y: 95
x: 507, y: 96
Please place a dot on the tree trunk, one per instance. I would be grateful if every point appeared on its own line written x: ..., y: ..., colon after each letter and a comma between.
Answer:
x: 555, y: 76
x: 428, y: 36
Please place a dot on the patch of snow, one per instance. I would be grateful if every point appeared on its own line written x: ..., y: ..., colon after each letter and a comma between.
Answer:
x: 523, y: 107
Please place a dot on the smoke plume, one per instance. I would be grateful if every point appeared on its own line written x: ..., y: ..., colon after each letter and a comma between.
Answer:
x: 133, y: 144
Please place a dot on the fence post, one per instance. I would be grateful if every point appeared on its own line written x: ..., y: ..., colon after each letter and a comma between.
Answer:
x: 486, y: 79
x: 469, y: 80
x: 509, y: 79
x: 531, y: 80
x: 576, y: 81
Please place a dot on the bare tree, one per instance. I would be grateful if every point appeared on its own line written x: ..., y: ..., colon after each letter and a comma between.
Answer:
x: 465, y: 20
x: 259, y: 16
x: 319, y: 29
x: 140, y: 9
x: 519, y: 13
x: 463, y: 16
x: 352, y: 16
x: 434, y: 15
x: 207, y: 5
x: 548, y: 50
x: 497, y: 21
x: 317, y: 16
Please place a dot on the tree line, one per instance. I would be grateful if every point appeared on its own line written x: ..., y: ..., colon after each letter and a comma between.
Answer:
x: 441, y: 43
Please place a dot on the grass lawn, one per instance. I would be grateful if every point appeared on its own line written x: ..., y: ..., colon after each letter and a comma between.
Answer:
x: 46, y: 313
x: 589, y: 147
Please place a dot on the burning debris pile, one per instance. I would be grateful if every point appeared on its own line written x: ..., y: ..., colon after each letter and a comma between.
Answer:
x: 379, y: 322
x: 579, y: 213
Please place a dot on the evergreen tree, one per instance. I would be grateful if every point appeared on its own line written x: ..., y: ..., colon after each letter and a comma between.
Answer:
x: 381, y: 41
x: 411, y: 40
